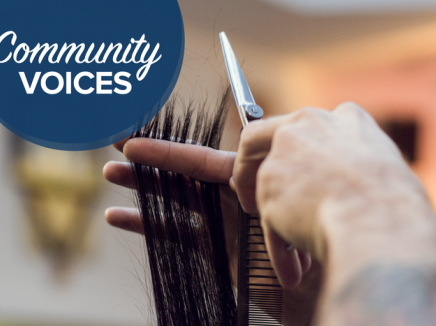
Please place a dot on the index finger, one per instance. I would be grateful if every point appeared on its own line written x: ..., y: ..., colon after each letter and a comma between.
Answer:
x: 254, y: 146
x: 198, y: 162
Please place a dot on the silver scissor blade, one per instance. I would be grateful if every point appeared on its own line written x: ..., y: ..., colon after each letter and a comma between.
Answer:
x: 240, y: 88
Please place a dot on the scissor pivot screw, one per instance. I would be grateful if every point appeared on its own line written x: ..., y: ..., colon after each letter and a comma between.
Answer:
x: 254, y: 112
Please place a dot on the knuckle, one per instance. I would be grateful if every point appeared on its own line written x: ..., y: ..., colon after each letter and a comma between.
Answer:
x: 309, y: 114
x: 283, y: 132
x: 353, y: 109
x: 348, y: 106
x: 288, y: 137
x: 309, y: 110
x: 355, y: 113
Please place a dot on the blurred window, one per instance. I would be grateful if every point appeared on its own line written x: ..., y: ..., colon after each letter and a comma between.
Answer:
x: 404, y: 134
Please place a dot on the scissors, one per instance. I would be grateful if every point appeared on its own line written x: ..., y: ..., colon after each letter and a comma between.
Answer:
x: 247, y: 108
x: 247, y: 315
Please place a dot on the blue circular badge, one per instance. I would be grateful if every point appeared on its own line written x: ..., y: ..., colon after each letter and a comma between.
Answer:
x: 79, y: 75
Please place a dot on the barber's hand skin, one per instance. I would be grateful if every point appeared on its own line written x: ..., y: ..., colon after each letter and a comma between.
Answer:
x: 288, y: 166
x: 334, y: 184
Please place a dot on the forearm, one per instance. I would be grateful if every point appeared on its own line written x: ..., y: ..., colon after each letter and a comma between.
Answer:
x: 381, y: 266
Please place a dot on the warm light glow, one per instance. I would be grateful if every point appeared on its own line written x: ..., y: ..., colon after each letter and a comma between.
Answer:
x: 392, y: 75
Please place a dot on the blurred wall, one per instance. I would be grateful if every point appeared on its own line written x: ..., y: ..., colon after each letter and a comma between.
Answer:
x: 291, y: 60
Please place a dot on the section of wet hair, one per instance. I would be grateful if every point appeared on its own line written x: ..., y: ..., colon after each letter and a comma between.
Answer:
x: 183, y: 225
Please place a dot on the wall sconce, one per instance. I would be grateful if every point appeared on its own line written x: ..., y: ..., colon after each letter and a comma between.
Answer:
x: 60, y: 188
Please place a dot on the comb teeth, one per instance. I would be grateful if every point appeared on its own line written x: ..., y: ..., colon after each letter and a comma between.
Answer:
x: 260, y: 295
x: 265, y: 307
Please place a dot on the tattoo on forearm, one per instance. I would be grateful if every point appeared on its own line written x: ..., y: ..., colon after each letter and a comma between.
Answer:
x: 389, y: 296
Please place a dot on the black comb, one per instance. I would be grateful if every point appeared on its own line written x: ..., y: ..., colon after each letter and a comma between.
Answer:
x: 260, y: 295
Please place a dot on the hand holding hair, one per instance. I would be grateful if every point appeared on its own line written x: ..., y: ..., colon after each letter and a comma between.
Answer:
x: 202, y: 163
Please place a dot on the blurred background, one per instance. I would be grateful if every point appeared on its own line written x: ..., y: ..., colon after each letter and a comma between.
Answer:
x: 60, y: 264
